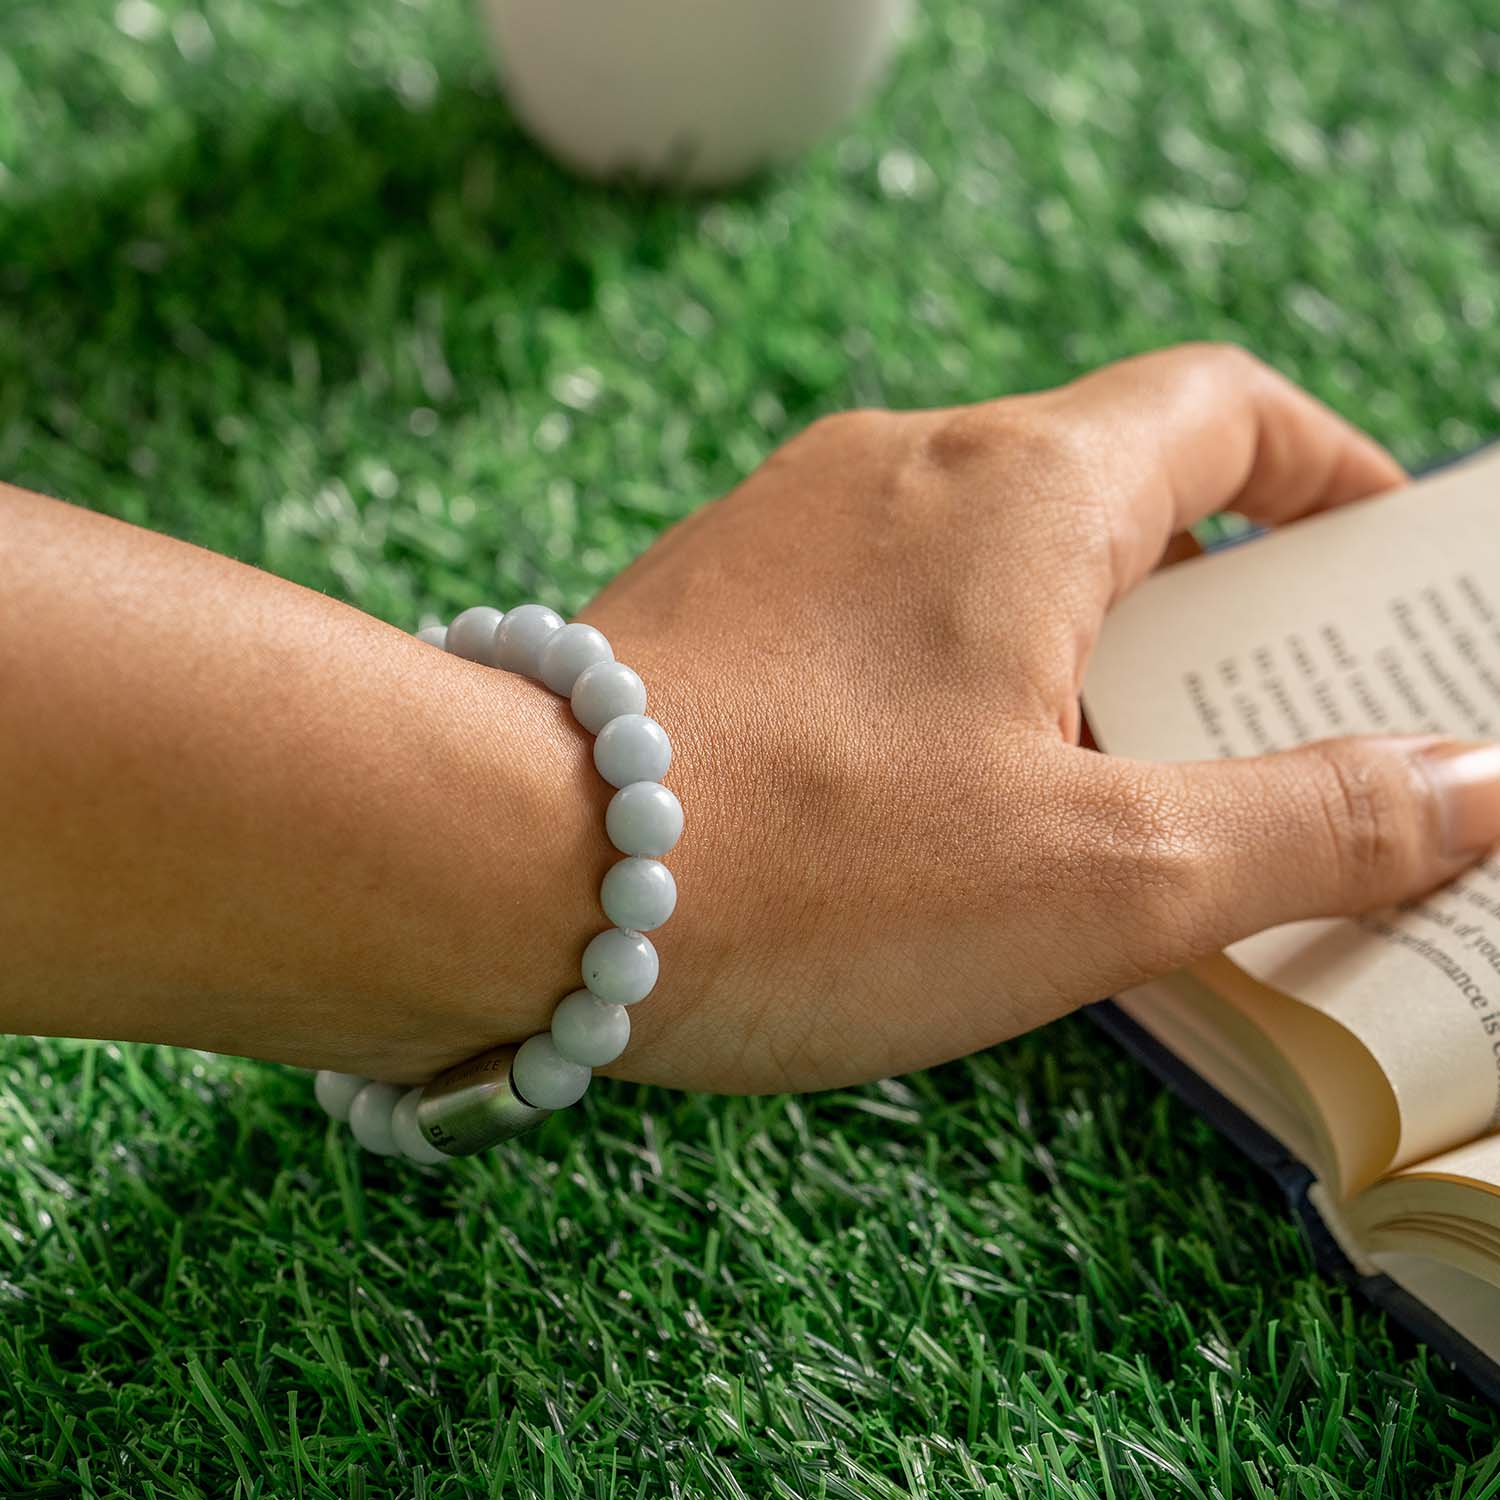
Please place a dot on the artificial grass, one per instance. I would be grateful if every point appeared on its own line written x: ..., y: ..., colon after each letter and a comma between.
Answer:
x: 281, y: 277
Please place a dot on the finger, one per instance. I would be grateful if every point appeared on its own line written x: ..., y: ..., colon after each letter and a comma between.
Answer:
x: 1207, y: 427
x: 1224, y: 849
x: 1182, y: 546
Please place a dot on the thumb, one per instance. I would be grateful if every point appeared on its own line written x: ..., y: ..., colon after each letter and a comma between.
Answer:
x: 1329, y: 829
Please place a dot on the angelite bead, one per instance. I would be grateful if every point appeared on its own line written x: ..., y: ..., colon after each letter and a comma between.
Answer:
x: 435, y: 635
x: 588, y: 1030
x: 638, y: 894
x: 521, y: 636
x: 472, y: 634
x: 644, y: 818
x: 632, y: 748
x: 567, y: 652
x: 336, y: 1091
x: 370, y: 1117
x: 407, y: 1134
x: 620, y: 967
x: 544, y: 1078
x: 604, y: 692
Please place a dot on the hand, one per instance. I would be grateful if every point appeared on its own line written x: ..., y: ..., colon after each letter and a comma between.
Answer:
x: 869, y: 659
x: 248, y: 818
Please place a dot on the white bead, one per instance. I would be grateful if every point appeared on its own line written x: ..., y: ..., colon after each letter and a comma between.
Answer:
x: 336, y: 1091
x: 521, y: 636
x: 604, y: 691
x: 644, y: 818
x: 632, y: 748
x: 544, y: 1078
x: 472, y: 634
x: 567, y: 652
x: 434, y: 635
x: 588, y: 1030
x: 410, y: 1141
x: 620, y: 967
x: 370, y: 1117
x: 638, y: 893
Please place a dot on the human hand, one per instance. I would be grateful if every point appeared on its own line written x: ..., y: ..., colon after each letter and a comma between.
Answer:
x: 371, y: 856
x: 869, y: 659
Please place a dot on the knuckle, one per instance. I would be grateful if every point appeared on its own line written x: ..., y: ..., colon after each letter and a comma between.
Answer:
x: 1028, y: 443
x: 1151, y: 866
x: 1168, y: 890
x: 1223, y: 358
x: 1363, y: 805
x: 1235, y: 369
x: 958, y: 440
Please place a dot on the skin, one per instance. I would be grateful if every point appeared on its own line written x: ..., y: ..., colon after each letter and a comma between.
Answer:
x: 248, y: 818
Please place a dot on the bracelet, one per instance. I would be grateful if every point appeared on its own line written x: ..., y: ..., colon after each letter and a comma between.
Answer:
x: 509, y: 1089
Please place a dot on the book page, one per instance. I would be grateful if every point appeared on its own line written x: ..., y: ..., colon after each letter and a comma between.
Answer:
x: 1296, y: 1072
x: 1474, y: 1165
x: 1435, y: 1229
x: 1380, y: 617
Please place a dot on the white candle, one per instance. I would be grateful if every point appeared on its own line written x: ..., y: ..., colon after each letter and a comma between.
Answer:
x: 693, y: 92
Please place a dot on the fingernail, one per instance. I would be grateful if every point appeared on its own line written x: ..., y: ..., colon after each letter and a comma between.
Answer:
x: 1466, y: 779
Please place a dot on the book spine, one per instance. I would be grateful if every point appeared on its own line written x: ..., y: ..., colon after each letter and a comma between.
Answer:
x: 1303, y: 1194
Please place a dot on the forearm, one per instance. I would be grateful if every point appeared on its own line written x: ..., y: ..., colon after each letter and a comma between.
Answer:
x: 237, y: 815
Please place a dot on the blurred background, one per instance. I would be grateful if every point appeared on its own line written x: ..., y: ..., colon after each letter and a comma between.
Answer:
x: 286, y: 278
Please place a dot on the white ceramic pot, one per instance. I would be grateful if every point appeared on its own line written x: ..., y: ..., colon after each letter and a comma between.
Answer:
x: 693, y: 92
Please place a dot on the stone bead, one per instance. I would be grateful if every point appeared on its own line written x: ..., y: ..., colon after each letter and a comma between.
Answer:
x: 472, y: 634
x: 604, y: 691
x: 620, y: 967
x: 544, y: 1078
x: 434, y: 635
x: 410, y: 1141
x: 567, y: 652
x: 632, y: 748
x: 589, y: 1031
x: 638, y: 893
x: 370, y: 1117
x: 336, y: 1091
x: 644, y: 819
x: 521, y: 636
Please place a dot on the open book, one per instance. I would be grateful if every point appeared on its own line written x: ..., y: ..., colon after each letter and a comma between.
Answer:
x: 1369, y: 1049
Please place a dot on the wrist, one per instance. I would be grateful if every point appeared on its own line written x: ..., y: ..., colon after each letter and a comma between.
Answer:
x: 707, y: 949
x: 512, y: 893
x: 507, y: 1087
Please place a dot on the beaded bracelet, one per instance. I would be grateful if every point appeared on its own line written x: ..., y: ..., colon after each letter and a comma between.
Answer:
x: 509, y: 1089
